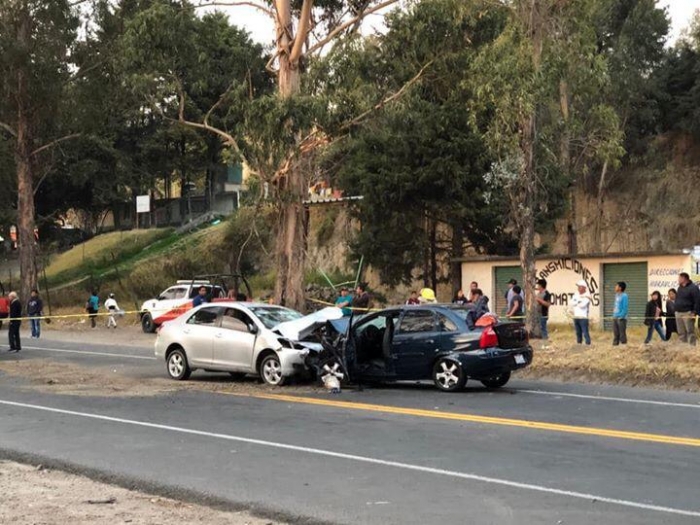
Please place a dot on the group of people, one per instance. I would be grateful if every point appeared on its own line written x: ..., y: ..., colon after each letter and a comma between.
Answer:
x: 682, y: 309
x: 35, y: 312
x: 92, y: 307
x: 348, y: 302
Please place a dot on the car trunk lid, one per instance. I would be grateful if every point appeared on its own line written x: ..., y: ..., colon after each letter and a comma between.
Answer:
x: 511, y: 335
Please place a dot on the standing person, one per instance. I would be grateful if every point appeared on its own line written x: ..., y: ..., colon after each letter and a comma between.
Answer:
x: 544, y: 301
x: 15, y: 322
x: 112, y: 307
x: 413, y: 299
x: 580, y: 308
x: 652, y: 318
x: 361, y: 299
x: 509, y: 290
x: 620, y: 313
x: 459, y: 298
x: 480, y: 302
x: 92, y: 306
x: 515, y: 306
x: 343, y: 301
x: 201, y: 297
x: 671, y: 314
x: 687, y: 308
x: 35, y: 310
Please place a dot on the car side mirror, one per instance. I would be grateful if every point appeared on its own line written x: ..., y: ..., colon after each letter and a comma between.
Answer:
x: 160, y: 298
x: 252, y: 328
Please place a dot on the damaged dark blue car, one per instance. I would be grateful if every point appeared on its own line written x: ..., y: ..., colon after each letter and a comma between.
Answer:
x: 438, y: 342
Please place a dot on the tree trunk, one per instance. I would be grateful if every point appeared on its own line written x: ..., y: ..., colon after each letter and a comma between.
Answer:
x: 456, y: 252
x: 565, y: 165
x: 526, y: 224
x: 25, y: 175
x: 290, y: 247
x: 433, y: 255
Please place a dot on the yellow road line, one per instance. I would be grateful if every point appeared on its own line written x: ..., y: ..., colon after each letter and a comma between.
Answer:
x: 488, y: 420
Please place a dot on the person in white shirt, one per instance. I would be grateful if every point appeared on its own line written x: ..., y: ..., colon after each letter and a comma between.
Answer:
x: 580, y: 308
x: 112, y: 307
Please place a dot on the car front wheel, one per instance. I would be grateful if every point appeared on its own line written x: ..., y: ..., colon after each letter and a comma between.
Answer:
x: 147, y: 324
x: 496, y: 381
x: 271, y: 371
x: 177, y: 365
x: 449, y: 376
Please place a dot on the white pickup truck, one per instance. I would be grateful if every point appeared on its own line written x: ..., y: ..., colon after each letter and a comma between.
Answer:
x: 175, y: 301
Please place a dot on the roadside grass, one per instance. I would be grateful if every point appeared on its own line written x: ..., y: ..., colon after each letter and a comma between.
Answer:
x: 98, y: 255
x: 671, y: 365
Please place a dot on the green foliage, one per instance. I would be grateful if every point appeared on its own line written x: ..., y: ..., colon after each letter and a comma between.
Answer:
x: 420, y: 160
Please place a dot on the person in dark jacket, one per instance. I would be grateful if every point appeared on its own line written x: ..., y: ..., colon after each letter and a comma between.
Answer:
x: 459, y: 298
x: 687, y: 308
x: 652, y: 317
x: 671, y: 314
x: 15, y: 322
x: 362, y: 298
x: 35, y: 309
x: 479, y: 306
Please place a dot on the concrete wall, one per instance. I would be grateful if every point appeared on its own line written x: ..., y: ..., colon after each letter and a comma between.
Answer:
x: 562, y: 273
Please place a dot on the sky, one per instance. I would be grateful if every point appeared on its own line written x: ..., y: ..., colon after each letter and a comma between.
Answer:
x: 261, y: 27
x: 681, y: 12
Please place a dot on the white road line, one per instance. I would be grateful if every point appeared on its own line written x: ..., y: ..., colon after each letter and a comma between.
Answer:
x: 607, y: 398
x: 366, y: 459
x: 107, y: 354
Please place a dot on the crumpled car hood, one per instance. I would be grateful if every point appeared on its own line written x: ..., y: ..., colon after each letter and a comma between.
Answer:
x: 303, y: 327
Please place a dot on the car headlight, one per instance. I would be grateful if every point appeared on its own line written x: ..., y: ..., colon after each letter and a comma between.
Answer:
x: 286, y: 343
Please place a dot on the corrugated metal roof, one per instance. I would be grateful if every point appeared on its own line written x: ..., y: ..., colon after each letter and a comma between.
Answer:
x: 330, y: 200
x: 628, y: 255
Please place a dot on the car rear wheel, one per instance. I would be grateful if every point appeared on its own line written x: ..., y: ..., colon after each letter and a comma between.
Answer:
x: 147, y: 324
x: 449, y: 376
x: 271, y: 371
x: 178, y: 368
x: 496, y: 381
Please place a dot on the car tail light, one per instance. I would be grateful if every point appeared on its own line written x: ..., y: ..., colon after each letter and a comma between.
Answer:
x: 489, y: 339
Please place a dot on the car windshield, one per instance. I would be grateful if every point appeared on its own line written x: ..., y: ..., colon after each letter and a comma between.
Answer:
x: 271, y: 316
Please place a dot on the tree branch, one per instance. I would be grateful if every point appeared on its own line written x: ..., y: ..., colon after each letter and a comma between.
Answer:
x: 388, y: 99
x: 227, y: 137
x: 234, y: 3
x: 55, y: 143
x: 8, y: 128
x: 302, y: 31
x: 330, y: 36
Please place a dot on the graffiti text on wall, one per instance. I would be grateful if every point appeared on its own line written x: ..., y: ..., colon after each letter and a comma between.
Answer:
x: 571, y: 265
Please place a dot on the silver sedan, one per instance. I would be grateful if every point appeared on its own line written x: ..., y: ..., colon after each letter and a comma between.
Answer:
x: 239, y: 338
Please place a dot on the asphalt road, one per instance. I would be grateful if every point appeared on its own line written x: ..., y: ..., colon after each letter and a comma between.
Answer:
x: 532, y: 453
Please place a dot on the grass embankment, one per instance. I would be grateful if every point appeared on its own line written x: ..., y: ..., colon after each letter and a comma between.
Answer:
x: 133, y: 265
x: 102, y: 254
x: 668, y: 365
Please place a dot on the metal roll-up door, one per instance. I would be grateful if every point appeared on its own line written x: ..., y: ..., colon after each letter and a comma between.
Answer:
x: 635, y: 275
x: 503, y: 274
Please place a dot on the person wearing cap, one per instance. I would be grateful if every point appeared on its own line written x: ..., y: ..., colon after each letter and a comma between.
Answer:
x: 112, y: 307
x: 580, y: 308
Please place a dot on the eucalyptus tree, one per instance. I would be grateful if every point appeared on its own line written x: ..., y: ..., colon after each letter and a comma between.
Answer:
x: 546, y: 53
x: 36, y: 39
